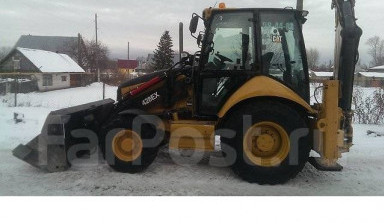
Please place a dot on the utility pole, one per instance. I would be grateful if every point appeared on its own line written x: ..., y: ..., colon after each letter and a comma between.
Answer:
x: 16, y: 89
x: 300, y: 5
x: 97, y: 51
x: 79, y: 59
x: 97, y: 58
x: 128, y: 50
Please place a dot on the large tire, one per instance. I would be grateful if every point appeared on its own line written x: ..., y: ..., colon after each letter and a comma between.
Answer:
x: 135, y: 163
x: 286, y: 121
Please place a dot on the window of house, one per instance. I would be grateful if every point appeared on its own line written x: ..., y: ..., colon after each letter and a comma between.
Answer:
x: 16, y: 63
x: 63, y: 78
x: 47, y: 80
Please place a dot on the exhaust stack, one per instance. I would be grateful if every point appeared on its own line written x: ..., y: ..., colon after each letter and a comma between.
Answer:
x: 300, y: 5
x: 181, y: 39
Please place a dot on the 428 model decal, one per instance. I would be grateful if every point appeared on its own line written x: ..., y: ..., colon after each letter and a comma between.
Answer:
x: 150, y: 98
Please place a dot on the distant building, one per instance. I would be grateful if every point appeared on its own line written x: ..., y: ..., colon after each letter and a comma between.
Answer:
x: 374, y: 77
x: 126, y: 67
x: 50, y: 70
x: 379, y: 69
x: 319, y: 76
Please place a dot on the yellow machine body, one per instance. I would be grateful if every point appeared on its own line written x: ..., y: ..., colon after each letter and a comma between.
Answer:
x: 262, y: 86
x: 199, y: 135
x: 192, y: 134
x: 327, y: 117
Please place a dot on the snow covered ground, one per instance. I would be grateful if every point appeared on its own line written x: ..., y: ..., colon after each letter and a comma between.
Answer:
x: 363, y: 172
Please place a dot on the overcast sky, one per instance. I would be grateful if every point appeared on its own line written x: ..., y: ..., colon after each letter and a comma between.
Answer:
x: 141, y: 22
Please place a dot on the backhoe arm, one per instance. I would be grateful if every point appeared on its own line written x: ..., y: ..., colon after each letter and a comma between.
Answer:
x: 335, y: 115
x: 348, y: 35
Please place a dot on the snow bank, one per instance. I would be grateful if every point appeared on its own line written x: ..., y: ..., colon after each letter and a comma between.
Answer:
x: 37, y: 105
x: 60, y: 98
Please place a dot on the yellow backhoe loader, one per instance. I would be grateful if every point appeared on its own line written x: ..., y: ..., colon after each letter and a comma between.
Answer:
x: 248, y: 84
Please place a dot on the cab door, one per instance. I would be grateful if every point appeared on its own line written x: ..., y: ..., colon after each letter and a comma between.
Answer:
x: 228, y: 60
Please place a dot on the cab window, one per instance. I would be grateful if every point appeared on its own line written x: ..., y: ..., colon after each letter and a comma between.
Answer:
x: 282, y: 51
x: 230, y: 42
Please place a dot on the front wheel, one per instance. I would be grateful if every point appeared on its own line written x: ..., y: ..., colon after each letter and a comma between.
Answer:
x: 125, y: 148
x: 271, y: 144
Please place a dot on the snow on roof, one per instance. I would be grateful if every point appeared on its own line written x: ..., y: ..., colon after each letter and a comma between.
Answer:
x: 47, y: 61
x: 324, y: 74
x: 373, y: 74
x: 377, y: 67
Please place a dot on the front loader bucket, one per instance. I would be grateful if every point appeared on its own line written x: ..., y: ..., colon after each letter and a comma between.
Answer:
x: 52, y: 158
x: 66, y: 133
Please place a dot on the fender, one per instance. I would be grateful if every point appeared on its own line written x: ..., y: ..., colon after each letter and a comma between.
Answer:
x: 262, y: 86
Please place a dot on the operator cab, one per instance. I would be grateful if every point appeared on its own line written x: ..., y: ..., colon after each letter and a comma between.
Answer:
x: 239, y: 44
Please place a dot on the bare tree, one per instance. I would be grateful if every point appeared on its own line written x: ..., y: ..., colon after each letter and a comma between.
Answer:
x: 96, y: 51
x: 313, y: 56
x: 326, y: 67
x: 368, y: 109
x: 358, y: 105
x: 376, y: 50
x: 323, y: 67
x: 69, y: 48
x: 378, y: 98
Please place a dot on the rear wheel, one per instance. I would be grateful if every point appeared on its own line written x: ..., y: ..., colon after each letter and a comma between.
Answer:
x: 272, y: 144
x: 124, y: 147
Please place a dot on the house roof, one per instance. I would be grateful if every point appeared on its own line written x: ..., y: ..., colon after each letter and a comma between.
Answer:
x: 48, y: 43
x: 47, y: 61
x: 373, y: 74
x: 127, y: 64
x: 377, y: 68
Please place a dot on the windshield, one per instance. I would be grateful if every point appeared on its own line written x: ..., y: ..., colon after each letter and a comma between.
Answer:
x: 230, y: 41
x: 281, y: 49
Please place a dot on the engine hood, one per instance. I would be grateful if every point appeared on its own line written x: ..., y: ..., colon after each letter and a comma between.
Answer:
x: 137, y: 81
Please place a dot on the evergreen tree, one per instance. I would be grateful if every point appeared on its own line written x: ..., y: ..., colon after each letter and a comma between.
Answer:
x: 164, y: 53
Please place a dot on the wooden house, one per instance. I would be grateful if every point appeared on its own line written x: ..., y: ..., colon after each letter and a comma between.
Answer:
x: 126, y: 67
x: 50, y: 70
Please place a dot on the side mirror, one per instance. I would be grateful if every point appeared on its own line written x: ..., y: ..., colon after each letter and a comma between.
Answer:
x: 184, y: 56
x: 193, y: 24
